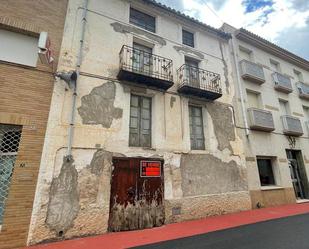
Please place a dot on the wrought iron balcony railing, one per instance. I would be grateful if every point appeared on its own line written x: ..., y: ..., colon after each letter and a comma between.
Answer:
x: 199, y: 82
x: 146, y: 68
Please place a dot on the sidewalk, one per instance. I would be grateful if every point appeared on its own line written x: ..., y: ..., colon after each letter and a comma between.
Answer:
x: 177, y: 230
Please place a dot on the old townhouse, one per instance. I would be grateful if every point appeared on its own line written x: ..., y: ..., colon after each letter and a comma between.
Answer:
x: 141, y: 129
x: 26, y: 84
x: 273, y: 112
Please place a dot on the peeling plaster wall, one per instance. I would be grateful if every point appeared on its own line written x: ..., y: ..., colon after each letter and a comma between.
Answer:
x: 206, y: 174
x: 63, y: 205
x: 102, y: 129
x: 78, y: 202
x: 222, y: 118
x: 98, y: 106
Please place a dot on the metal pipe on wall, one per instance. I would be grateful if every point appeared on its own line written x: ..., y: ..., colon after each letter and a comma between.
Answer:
x: 77, y: 68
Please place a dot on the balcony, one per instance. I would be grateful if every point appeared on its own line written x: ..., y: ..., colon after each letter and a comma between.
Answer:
x: 145, y: 68
x: 200, y: 83
x: 282, y: 83
x: 291, y: 126
x: 303, y: 90
x: 252, y: 72
x: 261, y: 120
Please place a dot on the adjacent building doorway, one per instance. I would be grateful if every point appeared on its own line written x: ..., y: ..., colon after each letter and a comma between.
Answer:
x: 136, y: 200
x: 298, y: 174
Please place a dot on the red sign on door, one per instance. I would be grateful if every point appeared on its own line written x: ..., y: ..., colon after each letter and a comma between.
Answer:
x: 150, y: 169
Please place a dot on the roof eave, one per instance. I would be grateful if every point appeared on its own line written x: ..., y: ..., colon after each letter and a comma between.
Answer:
x: 210, y: 29
x: 260, y: 42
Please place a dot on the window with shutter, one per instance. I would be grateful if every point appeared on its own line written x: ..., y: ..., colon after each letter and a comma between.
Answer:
x: 140, y: 121
x: 187, y: 38
x: 196, y: 128
x: 142, y: 20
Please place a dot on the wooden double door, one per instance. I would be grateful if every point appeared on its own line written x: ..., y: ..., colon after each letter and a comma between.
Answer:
x: 136, y: 194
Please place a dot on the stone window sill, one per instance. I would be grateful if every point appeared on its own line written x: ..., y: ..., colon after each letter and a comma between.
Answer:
x: 265, y: 188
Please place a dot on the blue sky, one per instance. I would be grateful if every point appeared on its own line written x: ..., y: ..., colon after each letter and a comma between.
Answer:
x: 283, y: 22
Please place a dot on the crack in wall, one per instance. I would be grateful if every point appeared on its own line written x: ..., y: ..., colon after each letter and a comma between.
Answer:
x: 225, y: 70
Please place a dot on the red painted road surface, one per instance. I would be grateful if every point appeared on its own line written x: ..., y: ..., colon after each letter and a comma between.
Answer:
x: 177, y: 230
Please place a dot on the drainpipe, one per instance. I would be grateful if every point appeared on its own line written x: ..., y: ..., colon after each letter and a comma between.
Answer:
x: 77, y: 70
x: 243, y: 108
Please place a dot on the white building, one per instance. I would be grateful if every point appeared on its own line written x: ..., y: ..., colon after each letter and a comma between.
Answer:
x: 273, y: 112
x: 154, y: 139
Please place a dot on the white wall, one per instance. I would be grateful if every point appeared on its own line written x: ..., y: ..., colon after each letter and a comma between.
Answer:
x: 274, y: 144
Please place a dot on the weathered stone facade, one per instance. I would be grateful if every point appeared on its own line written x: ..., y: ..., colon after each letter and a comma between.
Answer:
x: 197, y: 183
x: 25, y: 96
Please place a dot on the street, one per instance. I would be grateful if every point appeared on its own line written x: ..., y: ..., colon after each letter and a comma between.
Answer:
x: 285, y: 233
x: 282, y: 227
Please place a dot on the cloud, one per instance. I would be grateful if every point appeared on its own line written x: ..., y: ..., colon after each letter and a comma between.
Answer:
x: 301, y: 5
x: 284, y: 22
x: 175, y: 4
x: 254, y: 5
x: 216, y: 4
x: 295, y: 40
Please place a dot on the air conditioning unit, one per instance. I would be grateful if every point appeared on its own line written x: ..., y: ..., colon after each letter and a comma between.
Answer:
x: 261, y: 120
x: 291, y: 126
x: 282, y: 83
x: 45, y: 52
x: 303, y: 90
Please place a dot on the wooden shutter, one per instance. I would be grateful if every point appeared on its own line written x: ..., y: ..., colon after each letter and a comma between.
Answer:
x: 196, y: 128
x: 192, y: 72
x: 142, y: 58
x: 140, y: 121
x: 134, y: 121
x: 145, y: 135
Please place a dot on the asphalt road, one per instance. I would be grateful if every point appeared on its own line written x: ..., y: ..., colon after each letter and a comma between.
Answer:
x: 286, y: 233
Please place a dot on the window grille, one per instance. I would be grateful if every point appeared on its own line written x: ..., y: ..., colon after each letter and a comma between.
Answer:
x: 9, y: 143
x: 142, y: 20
